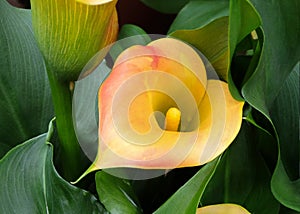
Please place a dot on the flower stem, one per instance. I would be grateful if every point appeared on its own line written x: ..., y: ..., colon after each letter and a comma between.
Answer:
x: 71, y: 156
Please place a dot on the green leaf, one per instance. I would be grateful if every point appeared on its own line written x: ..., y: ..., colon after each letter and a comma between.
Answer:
x: 242, y: 176
x: 186, y: 199
x: 197, y: 14
x: 25, y: 104
x: 128, y: 30
x: 243, y: 19
x: 285, y: 190
x: 165, y: 6
x: 280, y: 52
x: 30, y: 184
x: 204, y: 24
x: 116, y: 194
x: 279, y: 55
x: 285, y: 116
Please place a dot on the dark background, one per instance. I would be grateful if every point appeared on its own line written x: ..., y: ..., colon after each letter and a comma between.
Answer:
x: 130, y: 11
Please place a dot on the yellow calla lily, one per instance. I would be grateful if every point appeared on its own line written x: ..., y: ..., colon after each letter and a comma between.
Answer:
x: 151, y: 90
x: 222, y: 209
x: 70, y: 32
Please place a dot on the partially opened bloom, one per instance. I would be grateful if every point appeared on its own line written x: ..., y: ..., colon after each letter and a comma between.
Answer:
x: 158, y: 110
x: 222, y: 209
x: 70, y: 32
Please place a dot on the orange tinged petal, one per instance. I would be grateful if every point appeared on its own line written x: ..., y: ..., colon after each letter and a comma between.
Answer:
x: 147, y: 81
x: 220, y: 122
x: 170, y: 55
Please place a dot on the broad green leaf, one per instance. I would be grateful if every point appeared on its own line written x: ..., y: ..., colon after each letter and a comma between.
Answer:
x: 197, y: 14
x: 206, y: 29
x: 280, y: 51
x: 186, y: 199
x: 285, y: 190
x: 243, y: 19
x: 30, y: 184
x: 116, y: 194
x: 165, y: 6
x: 242, y: 176
x: 285, y: 116
x: 25, y: 104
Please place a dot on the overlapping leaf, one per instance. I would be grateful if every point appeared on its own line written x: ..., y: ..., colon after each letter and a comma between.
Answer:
x: 116, y: 194
x: 243, y: 19
x: 166, y: 6
x: 25, y: 104
x: 186, y: 199
x: 242, y: 176
x: 30, y: 184
x: 285, y: 115
x: 280, y: 51
x: 280, y: 54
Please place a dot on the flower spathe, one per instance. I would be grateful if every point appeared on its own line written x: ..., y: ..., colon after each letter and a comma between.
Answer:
x: 147, y: 81
x: 70, y: 32
x: 222, y: 209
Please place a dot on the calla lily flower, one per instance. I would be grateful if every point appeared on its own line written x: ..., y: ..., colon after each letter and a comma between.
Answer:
x: 222, y: 209
x: 70, y: 32
x: 158, y: 110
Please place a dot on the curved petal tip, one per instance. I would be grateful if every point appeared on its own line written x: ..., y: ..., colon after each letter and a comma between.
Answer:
x: 94, y: 2
x: 222, y: 209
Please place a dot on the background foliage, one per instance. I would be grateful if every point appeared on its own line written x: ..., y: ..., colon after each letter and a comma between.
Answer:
x: 259, y: 171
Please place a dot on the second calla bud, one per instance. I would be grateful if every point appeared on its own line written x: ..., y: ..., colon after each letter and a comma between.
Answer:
x: 70, y: 32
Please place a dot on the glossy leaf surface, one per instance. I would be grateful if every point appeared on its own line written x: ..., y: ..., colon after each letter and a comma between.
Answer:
x: 30, y: 184
x: 25, y: 104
